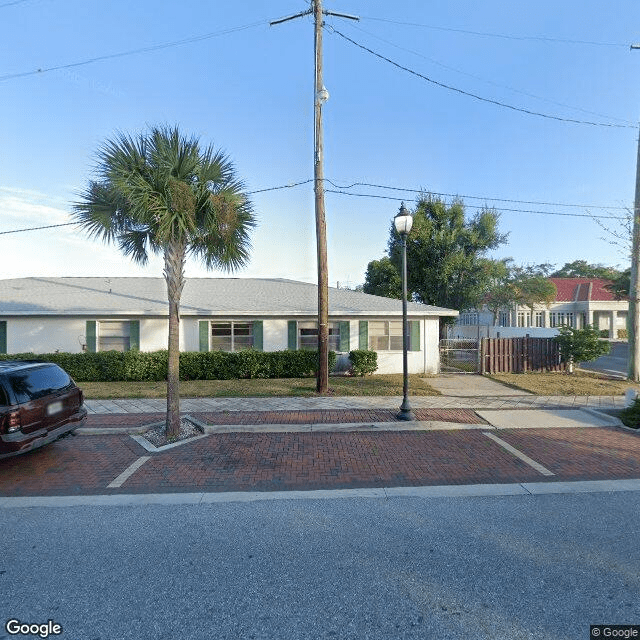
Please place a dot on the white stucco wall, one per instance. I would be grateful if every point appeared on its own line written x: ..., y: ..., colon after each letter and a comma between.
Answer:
x: 48, y: 334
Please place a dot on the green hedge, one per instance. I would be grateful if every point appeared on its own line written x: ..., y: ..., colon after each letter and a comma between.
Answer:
x: 363, y: 361
x: 141, y: 366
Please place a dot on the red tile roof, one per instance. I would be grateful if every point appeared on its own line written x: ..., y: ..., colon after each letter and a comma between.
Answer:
x: 570, y: 289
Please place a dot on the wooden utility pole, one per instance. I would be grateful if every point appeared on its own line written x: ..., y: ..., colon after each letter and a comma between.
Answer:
x: 321, y: 95
x: 319, y: 98
x: 634, y: 289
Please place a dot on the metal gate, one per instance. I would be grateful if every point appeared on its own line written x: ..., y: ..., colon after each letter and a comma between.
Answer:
x: 459, y: 356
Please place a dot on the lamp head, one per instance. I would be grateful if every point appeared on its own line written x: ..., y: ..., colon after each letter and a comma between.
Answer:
x: 403, y: 221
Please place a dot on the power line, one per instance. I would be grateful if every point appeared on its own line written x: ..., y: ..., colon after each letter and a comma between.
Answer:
x: 50, y: 226
x: 476, y: 96
x: 66, y: 224
x: 486, y: 198
x: 131, y: 52
x: 475, y: 206
x: 500, y: 35
x: 491, y: 82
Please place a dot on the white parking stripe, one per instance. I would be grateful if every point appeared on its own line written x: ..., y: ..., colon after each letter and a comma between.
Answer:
x: 127, y: 473
x: 532, y: 463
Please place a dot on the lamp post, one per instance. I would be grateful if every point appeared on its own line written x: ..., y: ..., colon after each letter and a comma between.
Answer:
x: 403, y: 222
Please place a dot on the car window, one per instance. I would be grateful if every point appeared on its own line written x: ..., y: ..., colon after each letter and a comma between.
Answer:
x: 31, y: 384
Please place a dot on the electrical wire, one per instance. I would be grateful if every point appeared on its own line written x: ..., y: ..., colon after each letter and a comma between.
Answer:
x: 66, y: 224
x: 491, y: 82
x: 474, y: 206
x: 500, y: 35
x: 486, y: 198
x: 131, y: 52
x: 474, y: 95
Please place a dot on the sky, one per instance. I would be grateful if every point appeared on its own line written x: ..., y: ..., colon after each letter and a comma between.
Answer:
x: 470, y: 99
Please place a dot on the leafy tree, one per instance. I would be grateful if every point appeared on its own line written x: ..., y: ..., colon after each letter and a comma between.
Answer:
x: 580, y: 345
x: 519, y: 285
x: 383, y: 279
x: 446, y: 253
x: 582, y: 269
x: 531, y: 286
x: 621, y: 284
x: 162, y: 193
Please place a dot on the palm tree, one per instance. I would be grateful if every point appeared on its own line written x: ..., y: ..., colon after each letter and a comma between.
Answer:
x: 160, y: 192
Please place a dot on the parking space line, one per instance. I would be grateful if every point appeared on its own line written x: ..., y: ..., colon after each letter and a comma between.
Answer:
x: 532, y: 463
x: 127, y: 473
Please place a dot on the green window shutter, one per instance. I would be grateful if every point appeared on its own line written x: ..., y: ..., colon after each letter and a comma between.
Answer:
x: 203, y: 331
x: 292, y: 335
x: 90, y: 336
x: 3, y: 336
x: 344, y: 337
x: 363, y: 339
x: 257, y: 335
x: 414, y: 335
x: 134, y: 335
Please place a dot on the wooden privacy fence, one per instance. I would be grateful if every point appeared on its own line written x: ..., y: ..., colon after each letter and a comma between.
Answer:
x: 518, y: 355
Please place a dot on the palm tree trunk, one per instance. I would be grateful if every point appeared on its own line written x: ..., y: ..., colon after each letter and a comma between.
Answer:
x: 174, y: 258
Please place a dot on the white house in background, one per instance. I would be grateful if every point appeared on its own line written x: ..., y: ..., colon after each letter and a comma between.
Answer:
x: 579, y: 302
x: 42, y: 315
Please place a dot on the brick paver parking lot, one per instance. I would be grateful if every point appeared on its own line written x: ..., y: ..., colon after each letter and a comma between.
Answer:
x: 320, y: 460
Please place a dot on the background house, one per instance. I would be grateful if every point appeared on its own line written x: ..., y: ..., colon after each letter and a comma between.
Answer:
x: 43, y: 315
x: 579, y: 302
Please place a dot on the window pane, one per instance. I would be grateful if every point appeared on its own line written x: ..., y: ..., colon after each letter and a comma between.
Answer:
x: 395, y: 343
x: 221, y: 329
x: 114, y: 329
x: 114, y: 344
x: 395, y: 328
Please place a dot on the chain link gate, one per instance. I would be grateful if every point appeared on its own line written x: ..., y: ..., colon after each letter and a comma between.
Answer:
x: 459, y: 355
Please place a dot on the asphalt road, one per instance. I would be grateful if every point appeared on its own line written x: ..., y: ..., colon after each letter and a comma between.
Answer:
x: 615, y: 362
x: 508, y: 568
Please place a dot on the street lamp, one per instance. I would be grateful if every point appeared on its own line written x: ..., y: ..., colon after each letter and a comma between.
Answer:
x: 403, y: 222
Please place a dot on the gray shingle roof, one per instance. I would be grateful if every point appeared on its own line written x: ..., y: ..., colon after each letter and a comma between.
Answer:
x: 201, y: 296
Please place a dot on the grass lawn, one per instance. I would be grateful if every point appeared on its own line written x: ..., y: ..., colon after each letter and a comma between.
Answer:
x: 580, y: 383
x: 379, y: 385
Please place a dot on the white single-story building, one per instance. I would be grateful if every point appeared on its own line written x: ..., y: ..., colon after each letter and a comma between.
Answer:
x: 579, y: 302
x: 43, y: 315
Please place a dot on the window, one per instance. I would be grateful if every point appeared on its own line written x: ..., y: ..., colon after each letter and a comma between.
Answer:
x: 31, y: 384
x: 468, y: 319
x: 114, y: 335
x: 505, y: 319
x: 308, y: 336
x: 538, y: 319
x: 559, y: 318
x: 231, y: 336
x: 524, y: 319
x: 385, y: 335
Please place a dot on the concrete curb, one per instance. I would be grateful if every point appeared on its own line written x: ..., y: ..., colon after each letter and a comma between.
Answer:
x: 527, y: 489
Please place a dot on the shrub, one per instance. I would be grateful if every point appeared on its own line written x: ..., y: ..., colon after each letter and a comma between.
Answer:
x: 580, y: 345
x: 630, y: 416
x: 140, y: 366
x: 623, y: 334
x: 363, y: 362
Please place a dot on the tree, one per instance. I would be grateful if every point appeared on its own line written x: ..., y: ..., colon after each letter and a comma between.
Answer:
x: 531, y: 286
x: 580, y: 345
x: 445, y: 254
x: 160, y: 192
x: 520, y: 285
x: 582, y: 269
x: 621, y: 285
x: 383, y: 279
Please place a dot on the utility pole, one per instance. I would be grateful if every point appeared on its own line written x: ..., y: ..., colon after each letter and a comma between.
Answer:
x: 634, y: 289
x: 320, y: 96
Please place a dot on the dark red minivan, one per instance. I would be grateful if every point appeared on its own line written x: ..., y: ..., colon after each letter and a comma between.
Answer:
x: 39, y: 403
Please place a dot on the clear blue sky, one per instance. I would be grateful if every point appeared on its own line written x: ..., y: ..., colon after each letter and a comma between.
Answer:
x: 250, y: 92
